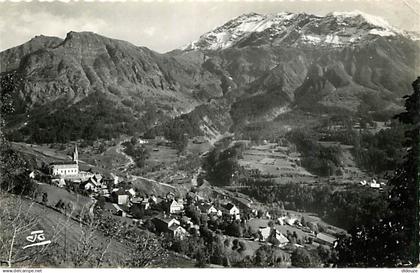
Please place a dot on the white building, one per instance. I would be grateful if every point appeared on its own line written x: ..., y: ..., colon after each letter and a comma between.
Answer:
x: 176, y: 207
x: 66, y: 169
x: 123, y: 199
x: 231, y: 209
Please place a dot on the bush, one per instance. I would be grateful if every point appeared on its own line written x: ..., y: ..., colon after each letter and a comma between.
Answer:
x: 304, y: 258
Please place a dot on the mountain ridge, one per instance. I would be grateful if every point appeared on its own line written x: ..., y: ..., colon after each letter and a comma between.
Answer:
x: 273, y: 68
x: 281, y: 26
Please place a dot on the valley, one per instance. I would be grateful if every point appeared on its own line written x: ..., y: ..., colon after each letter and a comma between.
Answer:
x: 270, y: 141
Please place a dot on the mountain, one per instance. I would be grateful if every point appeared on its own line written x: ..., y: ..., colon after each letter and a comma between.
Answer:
x: 86, y: 62
x: 315, y: 63
x: 255, y: 68
x: 336, y: 29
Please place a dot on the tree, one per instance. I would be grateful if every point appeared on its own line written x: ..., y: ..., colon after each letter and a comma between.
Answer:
x: 393, y: 239
x: 14, y: 175
x: 324, y: 254
x: 133, y: 141
x: 261, y: 257
x: 303, y: 258
x: 45, y: 198
x: 234, y: 229
x: 137, y: 211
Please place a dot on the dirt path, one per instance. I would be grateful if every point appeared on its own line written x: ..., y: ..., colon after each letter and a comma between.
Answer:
x: 119, y: 150
x: 152, y: 180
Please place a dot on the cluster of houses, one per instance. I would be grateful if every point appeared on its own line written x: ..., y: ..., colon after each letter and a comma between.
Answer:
x: 169, y: 211
x: 373, y: 184
x: 63, y: 172
x: 270, y: 233
x: 171, y: 216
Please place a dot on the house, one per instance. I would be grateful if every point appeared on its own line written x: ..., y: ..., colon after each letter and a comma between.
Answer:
x: 374, y: 184
x: 186, y: 222
x: 207, y: 208
x: 163, y: 224
x: 290, y: 220
x: 60, y: 182
x: 132, y: 192
x: 266, y: 234
x: 231, y: 209
x: 89, y: 186
x: 83, y: 175
x: 118, y: 211
x: 171, y: 226
x: 142, y: 141
x: 97, y: 177
x: 93, y: 183
x: 282, y: 239
x: 153, y: 199
x: 123, y: 199
x: 145, y: 204
x: 137, y: 200
x: 110, y: 180
x: 104, y: 192
x: 175, y: 206
x: 326, y: 239
x: 177, y: 231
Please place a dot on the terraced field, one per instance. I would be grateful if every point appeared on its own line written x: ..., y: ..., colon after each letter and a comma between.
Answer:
x: 275, y: 160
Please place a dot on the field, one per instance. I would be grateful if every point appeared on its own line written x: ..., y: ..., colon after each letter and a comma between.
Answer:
x: 64, y: 233
x: 44, y: 154
x: 80, y: 203
x: 68, y: 237
x: 275, y: 160
x: 161, y: 154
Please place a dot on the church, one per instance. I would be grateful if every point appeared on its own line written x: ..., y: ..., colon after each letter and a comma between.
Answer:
x: 66, y: 169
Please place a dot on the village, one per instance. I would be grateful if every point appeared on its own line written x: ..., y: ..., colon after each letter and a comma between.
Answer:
x: 181, y: 216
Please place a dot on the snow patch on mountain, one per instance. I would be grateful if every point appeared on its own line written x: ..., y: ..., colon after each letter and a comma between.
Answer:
x: 334, y: 29
x: 371, y: 19
x: 226, y: 35
x: 383, y: 33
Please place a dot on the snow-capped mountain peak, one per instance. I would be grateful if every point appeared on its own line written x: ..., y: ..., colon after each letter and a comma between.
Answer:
x: 226, y: 35
x: 334, y: 29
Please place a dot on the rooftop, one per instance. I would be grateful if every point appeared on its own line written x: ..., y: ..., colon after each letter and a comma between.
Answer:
x: 326, y: 237
x: 63, y: 163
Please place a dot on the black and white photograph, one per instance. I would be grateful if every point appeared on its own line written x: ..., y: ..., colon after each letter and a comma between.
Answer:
x: 209, y: 134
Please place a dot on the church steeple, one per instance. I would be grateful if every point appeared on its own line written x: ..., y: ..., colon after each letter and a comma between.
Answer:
x: 76, y: 155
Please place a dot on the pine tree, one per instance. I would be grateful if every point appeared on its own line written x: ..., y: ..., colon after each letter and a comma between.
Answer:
x: 393, y: 240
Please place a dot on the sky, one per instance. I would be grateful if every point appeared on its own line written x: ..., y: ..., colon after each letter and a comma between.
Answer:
x: 163, y: 26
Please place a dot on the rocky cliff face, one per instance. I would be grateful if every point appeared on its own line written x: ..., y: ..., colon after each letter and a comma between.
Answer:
x: 86, y: 62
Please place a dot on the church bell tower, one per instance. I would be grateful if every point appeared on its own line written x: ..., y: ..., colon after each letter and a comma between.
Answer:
x: 76, y: 155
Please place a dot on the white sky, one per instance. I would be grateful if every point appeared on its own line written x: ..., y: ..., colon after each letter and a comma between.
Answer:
x: 163, y: 26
